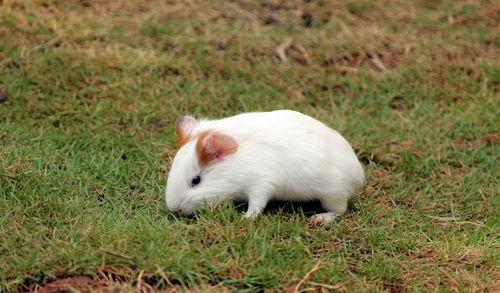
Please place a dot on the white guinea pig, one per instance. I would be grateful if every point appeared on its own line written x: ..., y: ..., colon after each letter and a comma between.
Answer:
x: 260, y: 156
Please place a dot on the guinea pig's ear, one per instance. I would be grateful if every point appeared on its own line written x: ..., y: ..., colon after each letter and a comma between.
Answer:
x: 183, y: 127
x: 213, y: 147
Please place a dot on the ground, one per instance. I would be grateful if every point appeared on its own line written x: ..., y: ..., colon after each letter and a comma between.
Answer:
x: 90, y: 91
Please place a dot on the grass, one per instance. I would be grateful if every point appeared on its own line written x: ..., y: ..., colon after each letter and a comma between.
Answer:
x: 90, y: 92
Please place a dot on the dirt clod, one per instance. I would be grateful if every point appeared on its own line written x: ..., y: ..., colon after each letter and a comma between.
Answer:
x: 13, y: 64
x: 134, y: 185
x: 307, y: 19
x: 271, y: 19
x: 211, y: 240
x: 3, y: 95
x: 82, y: 284
x: 220, y: 45
x: 398, y: 103
x: 491, y: 138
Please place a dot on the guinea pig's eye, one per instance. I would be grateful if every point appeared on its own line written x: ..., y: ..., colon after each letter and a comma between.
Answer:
x: 196, y: 180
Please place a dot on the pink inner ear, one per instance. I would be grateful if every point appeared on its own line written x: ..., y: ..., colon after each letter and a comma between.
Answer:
x: 213, y: 147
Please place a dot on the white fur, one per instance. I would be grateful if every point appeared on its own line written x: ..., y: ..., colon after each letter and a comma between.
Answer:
x: 282, y: 155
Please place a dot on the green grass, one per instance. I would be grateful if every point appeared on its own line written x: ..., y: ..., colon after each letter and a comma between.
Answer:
x: 93, y: 89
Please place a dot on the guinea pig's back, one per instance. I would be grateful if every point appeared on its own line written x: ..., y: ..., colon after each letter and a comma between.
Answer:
x: 293, y: 150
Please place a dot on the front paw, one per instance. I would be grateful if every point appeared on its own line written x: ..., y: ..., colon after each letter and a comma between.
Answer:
x: 251, y: 214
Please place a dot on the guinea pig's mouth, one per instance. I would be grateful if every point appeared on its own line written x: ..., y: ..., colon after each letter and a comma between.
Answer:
x: 185, y: 210
x: 182, y: 211
x: 191, y: 209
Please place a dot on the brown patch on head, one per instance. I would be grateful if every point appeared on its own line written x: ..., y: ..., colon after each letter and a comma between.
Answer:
x: 183, y: 127
x: 214, y: 147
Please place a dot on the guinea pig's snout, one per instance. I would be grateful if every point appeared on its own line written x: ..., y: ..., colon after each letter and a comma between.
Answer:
x: 174, y: 207
x: 177, y: 209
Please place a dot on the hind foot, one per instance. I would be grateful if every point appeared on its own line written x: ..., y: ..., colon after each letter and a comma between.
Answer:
x: 322, y: 219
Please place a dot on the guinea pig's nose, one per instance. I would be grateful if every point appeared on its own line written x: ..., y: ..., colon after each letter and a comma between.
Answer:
x: 177, y: 209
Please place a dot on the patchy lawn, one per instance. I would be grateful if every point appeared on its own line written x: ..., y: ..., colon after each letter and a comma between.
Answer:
x: 89, y: 94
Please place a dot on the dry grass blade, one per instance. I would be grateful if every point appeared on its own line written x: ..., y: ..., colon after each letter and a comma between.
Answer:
x: 281, y: 50
x: 116, y: 254
x: 143, y: 286
x: 348, y: 69
x: 139, y: 280
x: 308, y: 274
x: 329, y: 287
x: 303, y: 51
x: 164, y: 276
x: 375, y: 61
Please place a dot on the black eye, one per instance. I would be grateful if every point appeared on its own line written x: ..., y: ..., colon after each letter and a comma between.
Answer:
x: 196, y: 180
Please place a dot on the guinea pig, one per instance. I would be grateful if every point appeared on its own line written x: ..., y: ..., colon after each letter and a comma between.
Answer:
x: 259, y: 156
